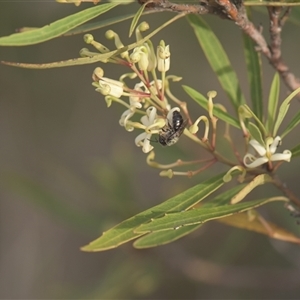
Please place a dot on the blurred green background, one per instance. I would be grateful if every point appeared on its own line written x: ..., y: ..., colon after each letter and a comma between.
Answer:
x: 68, y: 172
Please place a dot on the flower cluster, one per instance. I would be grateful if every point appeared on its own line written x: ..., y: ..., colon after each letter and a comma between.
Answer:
x: 148, y: 108
x: 148, y: 97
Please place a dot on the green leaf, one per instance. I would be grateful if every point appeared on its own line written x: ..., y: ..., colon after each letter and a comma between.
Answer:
x: 258, y: 224
x: 218, y: 59
x: 273, y: 103
x: 101, y: 24
x: 98, y: 25
x: 225, y: 197
x: 200, y: 215
x: 91, y: 26
x: 283, y: 110
x: 164, y: 237
x: 261, y: 126
x: 258, y: 180
x: 124, y: 231
x: 253, y: 61
x: 219, y: 113
x: 296, y: 151
x: 56, y: 28
x: 95, y: 58
x: 255, y: 133
x: 136, y: 18
x: 293, y: 123
x: 167, y: 236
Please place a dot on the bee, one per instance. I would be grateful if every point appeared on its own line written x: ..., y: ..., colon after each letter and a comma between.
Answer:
x: 171, y: 132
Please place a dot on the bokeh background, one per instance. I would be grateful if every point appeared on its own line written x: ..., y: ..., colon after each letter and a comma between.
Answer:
x: 69, y: 172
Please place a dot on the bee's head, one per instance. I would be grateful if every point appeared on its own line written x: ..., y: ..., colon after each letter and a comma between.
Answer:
x: 162, y: 140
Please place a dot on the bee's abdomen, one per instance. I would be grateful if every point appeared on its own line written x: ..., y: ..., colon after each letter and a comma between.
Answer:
x: 177, y: 120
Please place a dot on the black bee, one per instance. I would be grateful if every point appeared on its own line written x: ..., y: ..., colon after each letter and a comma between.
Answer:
x: 171, y: 133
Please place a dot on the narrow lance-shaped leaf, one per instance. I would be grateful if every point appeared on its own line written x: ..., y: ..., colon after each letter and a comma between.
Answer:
x: 136, y: 18
x: 283, y: 110
x: 258, y: 180
x: 292, y: 124
x: 258, y: 121
x: 225, y: 197
x: 95, y: 58
x: 103, y: 23
x: 56, y: 28
x: 259, y: 225
x: 218, y: 59
x: 255, y: 133
x: 124, y: 231
x: 273, y: 103
x: 173, y: 221
x: 99, y: 24
x: 219, y: 113
x: 296, y: 151
x: 91, y: 26
x: 158, y: 238
x: 253, y: 61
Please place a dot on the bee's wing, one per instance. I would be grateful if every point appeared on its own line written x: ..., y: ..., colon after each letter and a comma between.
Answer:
x: 182, y: 127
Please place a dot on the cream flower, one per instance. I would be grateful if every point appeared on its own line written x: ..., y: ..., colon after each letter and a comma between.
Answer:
x: 152, y: 125
x: 266, y: 153
x: 110, y: 87
x: 140, y: 56
x: 163, y: 57
x: 107, y: 86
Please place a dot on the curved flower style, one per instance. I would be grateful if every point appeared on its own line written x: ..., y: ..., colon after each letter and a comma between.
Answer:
x: 152, y: 124
x: 135, y: 104
x: 266, y: 153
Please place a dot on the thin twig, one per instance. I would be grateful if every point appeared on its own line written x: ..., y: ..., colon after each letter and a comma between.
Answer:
x: 286, y: 191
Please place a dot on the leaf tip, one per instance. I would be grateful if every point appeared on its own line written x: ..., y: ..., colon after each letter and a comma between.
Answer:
x: 86, y: 248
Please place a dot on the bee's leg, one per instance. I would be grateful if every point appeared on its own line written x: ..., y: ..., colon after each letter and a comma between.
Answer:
x: 155, y: 141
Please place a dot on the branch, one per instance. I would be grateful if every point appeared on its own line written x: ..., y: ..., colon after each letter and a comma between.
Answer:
x: 236, y: 12
x: 205, y: 7
x: 273, y: 51
x: 276, y: 24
